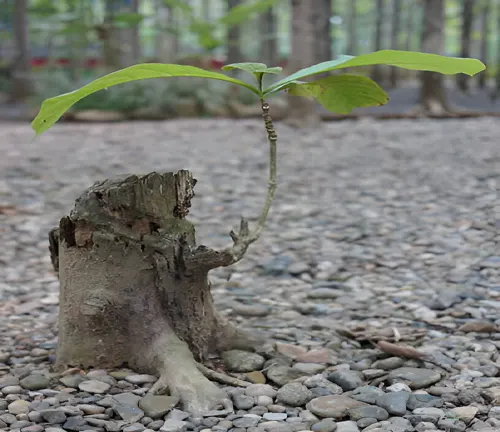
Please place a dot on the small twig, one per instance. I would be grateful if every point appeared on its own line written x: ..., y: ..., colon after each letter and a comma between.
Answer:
x: 410, y: 353
x: 245, y: 238
x: 221, y: 378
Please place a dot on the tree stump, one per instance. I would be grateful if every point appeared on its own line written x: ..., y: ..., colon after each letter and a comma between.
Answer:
x: 134, y: 287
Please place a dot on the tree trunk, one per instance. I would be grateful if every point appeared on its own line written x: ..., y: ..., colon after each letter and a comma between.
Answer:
x: 485, y: 14
x: 234, y: 38
x: 496, y: 92
x: 323, y: 12
x: 269, y: 38
x: 396, y: 27
x: 433, y: 98
x: 467, y: 18
x: 135, y: 36
x: 302, y: 111
x: 21, y: 69
x: 134, y: 288
x: 352, y: 38
x: 410, y: 26
x: 379, y: 27
x: 110, y: 37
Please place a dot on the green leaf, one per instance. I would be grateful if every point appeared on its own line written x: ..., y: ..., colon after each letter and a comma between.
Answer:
x: 342, y: 93
x: 52, y: 109
x: 402, y: 59
x: 252, y: 68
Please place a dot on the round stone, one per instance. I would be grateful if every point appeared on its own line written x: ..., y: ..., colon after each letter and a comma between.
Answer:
x: 242, y: 361
x: 294, y: 394
x: 334, y: 406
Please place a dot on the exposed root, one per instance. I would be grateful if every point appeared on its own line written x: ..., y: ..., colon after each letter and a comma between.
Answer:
x: 222, y: 378
x: 180, y: 373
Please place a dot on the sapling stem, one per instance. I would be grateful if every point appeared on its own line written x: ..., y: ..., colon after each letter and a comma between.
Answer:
x: 244, y: 238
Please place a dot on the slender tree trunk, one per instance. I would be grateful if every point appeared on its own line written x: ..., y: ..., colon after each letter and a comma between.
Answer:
x: 134, y: 287
x: 110, y: 36
x: 496, y: 92
x: 269, y: 37
x: 234, y: 54
x: 352, y: 38
x: 410, y: 26
x: 379, y: 28
x: 323, y: 12
x: 21, y: 70
x: 303, y: 112
x: 485, y: 15
x: 396, y: 27
x: 136, y: 51
x: 467, y: 18
x: 433, y: 99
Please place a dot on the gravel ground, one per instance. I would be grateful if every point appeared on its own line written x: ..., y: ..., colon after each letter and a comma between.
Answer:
x: 381, y: 231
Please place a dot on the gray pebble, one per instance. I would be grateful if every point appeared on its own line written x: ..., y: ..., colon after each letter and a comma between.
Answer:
x: 294, y: 394
x: 347, y: 379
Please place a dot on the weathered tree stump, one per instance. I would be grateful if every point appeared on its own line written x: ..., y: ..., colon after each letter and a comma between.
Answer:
x: 134, y: 286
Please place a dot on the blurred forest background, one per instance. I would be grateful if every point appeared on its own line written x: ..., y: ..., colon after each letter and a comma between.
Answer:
x: 48, y: 47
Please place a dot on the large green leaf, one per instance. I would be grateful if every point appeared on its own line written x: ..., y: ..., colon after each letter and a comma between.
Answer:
x: 341, y: 93
x: 252, y: 68
x: 402, y: 59
x: 52, y: 109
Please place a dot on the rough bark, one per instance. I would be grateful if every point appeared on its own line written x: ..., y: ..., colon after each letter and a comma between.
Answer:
x: 396, y: 28
x: 135, y: 290
x: 433, y: 99
x: 485, y: 14
x: 352, y: 38
x: 269, y: 38
x: 302, y: 111
x: 21, y: 69
x: 323, y: 13
x: 234, y: 54
x: 465, y: 41
x: 379, y: 27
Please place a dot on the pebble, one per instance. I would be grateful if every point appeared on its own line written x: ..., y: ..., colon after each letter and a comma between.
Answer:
x: 416, y: 378
x: 242, y: 361
x: 334, y: 406
x: 294, y: 394
x: 94, y: 386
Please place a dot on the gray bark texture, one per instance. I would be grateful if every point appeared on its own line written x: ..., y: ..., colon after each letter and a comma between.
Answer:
x: 377, y: 72
x: 466, y: 30
x: 302, y: 111
x: 269, y: 53
x: 134, y: 287
x: 323, y: 12
x: 234, y: 54
x: 485, y: 15
x: 433, y: 98
x: 395, y: 31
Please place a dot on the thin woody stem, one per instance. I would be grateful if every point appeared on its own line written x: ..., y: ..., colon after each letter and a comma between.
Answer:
x: 244, y: 238
x: 272, y: 137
